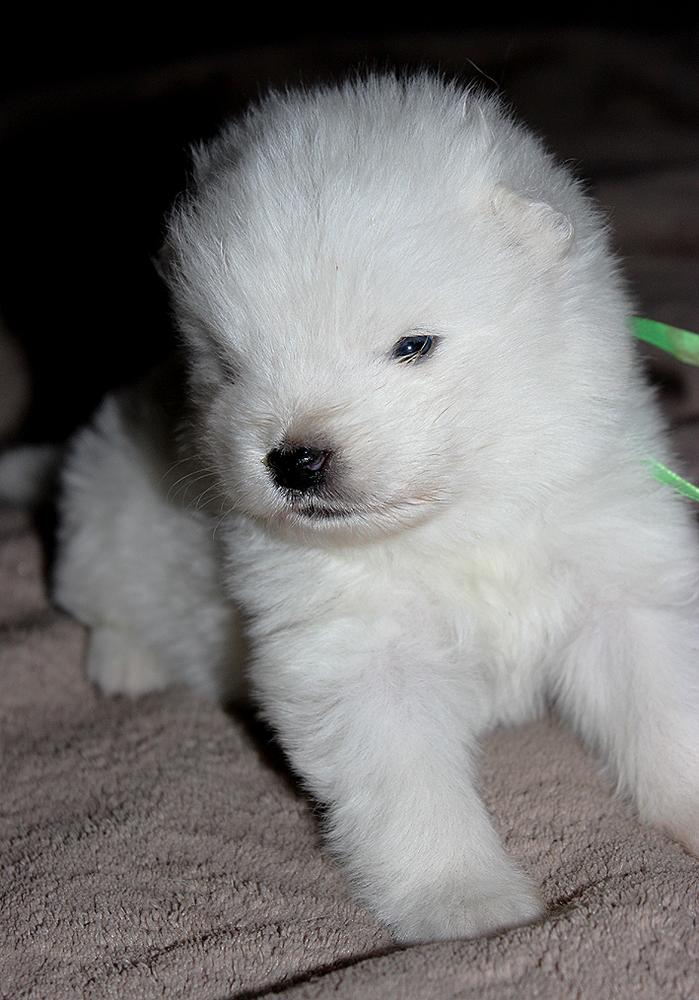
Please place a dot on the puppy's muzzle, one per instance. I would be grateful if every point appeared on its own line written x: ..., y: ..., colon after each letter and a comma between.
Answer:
x: 298, y: 468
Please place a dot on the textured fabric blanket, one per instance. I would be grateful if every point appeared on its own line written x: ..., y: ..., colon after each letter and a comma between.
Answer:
x: 160, y: 849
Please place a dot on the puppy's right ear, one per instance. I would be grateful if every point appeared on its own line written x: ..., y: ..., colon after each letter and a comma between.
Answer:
x: 534, y: 225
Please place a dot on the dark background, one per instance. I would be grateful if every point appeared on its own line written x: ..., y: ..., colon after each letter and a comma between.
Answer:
x: 96, y: 120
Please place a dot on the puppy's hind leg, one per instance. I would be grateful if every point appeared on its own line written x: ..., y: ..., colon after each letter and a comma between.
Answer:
x: 140, y: 568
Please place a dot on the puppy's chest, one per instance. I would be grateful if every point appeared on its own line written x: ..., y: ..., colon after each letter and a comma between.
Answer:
x: 513, y: 608
x: 499, y: 608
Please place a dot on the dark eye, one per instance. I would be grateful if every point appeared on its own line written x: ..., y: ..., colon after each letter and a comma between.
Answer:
x: 412, y: 348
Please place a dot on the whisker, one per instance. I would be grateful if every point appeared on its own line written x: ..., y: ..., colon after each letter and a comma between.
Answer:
x: 187, y: 458
x: 219, y: 495
x: 446, y: 409
x: 221, y: 520
x: 175, y: 464
x: 183, y: 479
x: 203, y: 494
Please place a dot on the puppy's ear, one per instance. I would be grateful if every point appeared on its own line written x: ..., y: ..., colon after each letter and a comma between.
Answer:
x: 532, y: 224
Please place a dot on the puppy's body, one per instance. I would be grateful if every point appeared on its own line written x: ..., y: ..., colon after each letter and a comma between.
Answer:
x: 479, y: 533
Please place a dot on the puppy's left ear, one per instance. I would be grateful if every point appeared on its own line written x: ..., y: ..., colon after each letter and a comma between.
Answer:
x: 532, y: 225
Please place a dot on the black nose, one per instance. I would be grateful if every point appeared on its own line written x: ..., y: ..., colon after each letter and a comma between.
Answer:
x: 298, y: 468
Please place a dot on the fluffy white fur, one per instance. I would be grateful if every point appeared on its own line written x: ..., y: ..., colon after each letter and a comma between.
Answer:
x: 492, y: 540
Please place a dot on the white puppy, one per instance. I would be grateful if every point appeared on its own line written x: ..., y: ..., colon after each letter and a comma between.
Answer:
x: 414, y: 447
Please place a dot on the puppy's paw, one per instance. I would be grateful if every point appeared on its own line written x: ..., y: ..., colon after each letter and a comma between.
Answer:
x: 468, y: 909
x: 669, y: 798
x: 682, y: 824
x: 117, y: 665
x: 688, y: 836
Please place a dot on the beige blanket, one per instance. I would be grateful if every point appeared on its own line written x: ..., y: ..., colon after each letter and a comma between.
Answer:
x: 159, y: 848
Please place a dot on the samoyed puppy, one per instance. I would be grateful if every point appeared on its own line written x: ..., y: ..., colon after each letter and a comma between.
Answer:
x: 403, y: 487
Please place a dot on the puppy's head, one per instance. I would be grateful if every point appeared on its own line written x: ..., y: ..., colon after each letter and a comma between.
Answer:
x: 380, y: 290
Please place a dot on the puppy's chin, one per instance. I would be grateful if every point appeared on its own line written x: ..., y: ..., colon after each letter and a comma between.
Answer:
x: 365, y: 520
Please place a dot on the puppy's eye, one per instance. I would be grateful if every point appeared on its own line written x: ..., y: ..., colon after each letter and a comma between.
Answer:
x: 412, y: 348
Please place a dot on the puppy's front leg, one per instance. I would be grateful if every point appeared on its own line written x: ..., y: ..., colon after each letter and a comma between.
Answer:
x: 630, y: 683
x: 380, y: 733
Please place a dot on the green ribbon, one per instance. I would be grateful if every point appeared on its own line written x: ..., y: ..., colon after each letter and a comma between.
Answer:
x: 684, y: 346
x: 680, y: 343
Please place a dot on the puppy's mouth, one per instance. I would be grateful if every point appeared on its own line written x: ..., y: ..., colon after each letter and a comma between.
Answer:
x: 317, y: 510
x: 314, y: 511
